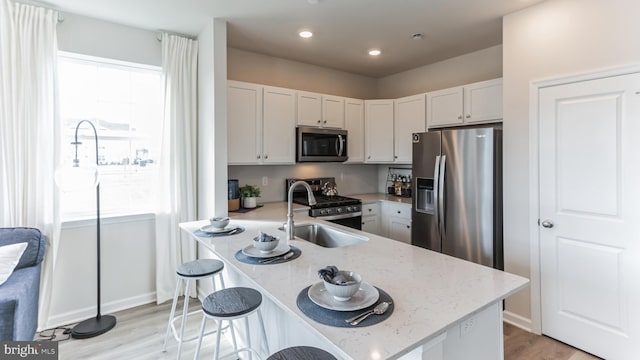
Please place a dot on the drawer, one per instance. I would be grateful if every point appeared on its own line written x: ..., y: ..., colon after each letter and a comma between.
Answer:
x: 370, y: 209
x: 397, y: 210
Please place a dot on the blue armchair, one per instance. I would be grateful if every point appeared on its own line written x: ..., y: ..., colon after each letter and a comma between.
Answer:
x: 19, y: 294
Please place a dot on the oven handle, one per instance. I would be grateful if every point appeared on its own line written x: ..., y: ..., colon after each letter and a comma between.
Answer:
x: 338, y: 217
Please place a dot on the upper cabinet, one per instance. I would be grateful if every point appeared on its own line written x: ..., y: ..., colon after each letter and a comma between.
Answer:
x: 409, y: 118
x: 261, y: 124
x: 470, y: 104
x: 389, y: 125
x: 320, y: 110
x: 378, y: 128
x: 354, y: 124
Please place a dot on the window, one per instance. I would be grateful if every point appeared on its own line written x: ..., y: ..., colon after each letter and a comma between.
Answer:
x: 124, y: 102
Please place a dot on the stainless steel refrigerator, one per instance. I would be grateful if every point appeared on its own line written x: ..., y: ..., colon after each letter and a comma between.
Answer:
x: 457, y: 201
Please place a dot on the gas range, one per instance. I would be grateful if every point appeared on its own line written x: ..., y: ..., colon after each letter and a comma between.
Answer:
x: 327, y: 207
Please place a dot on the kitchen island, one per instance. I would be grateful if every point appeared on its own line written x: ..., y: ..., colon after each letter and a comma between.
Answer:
x: 444, y: 308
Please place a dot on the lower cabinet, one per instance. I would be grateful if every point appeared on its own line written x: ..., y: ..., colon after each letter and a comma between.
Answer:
x: 396, y: 221
x: 370, y: 218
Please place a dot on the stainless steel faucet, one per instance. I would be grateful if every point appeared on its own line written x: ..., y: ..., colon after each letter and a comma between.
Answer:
x: 311, y: 199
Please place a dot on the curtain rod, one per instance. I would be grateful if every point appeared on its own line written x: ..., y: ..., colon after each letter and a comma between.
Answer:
x: 159, y: 36
x: 33, y: 3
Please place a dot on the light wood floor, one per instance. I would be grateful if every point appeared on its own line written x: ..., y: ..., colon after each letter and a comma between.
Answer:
x: 139, y: 335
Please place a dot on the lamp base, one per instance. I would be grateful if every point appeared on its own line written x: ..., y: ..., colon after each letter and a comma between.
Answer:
x: 93, y: 327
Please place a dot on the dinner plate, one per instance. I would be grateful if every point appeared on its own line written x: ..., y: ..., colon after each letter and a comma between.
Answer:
x: 214, y: 230
x: 252, y: 251
x: 366, y: 296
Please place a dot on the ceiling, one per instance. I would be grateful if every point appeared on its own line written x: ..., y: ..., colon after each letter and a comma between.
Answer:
x: 344, y: 30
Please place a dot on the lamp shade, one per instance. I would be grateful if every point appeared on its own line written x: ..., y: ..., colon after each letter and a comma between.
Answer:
x: 74, y: 177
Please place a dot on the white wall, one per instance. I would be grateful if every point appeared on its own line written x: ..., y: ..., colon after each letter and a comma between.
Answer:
x: 552, y: 39
x: 476, y: 66
x: 89, y: 36
x: 128, y: 245
x: 268, y: 70
x: 350, y: 178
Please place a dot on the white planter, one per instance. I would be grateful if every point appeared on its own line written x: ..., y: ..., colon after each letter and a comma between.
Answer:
x: 249, y: 202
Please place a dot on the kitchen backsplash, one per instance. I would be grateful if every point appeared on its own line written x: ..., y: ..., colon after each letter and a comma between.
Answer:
x: 350, y: 178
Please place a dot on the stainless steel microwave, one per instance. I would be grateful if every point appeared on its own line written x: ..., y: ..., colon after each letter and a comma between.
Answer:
x: 321, y: 145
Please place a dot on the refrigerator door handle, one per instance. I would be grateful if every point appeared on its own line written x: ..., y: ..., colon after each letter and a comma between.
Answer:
x: 441, y: 202
x: 436, y: 187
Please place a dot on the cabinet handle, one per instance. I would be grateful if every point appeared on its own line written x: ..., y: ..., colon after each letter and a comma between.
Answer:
x: 395, y: 156
x: 368, y: 157
x: 363, y: 223
x: 318, y: 121
x: 325, y: 121
x: 408, y: 227
x: 370, y: 210
x: 266, y: 156
x: 468, y: 116
x: 398, y: 211
x: 258, y: 157
x: 460, y: 117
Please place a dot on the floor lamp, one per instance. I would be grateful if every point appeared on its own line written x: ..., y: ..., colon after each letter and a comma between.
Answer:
x: 76, y: 177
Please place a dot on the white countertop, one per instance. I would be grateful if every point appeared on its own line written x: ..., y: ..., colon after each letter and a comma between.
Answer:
x: 375, y: 197
x: 430, y: 291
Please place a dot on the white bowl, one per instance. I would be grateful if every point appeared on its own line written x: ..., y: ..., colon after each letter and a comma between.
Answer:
x: 344, y: 292
x: 265, y: 246
x: 219, y: 222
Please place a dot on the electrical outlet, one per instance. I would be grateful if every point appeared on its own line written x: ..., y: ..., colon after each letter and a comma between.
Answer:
x: 467, y: 326
x: 265, y: 181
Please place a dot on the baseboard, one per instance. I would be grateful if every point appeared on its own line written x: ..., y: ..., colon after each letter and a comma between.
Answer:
x: 76, y: 316
x: 517, y: 320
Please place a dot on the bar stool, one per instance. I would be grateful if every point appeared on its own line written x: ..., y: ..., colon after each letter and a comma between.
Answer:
x: 230, y: 304
x: 192, y: 270
x: 301, y: 353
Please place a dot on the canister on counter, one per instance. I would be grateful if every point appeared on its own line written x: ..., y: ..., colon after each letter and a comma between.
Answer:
x: 233, y: 187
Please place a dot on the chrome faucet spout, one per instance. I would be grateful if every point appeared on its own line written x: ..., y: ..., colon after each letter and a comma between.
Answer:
x: 311, y: 199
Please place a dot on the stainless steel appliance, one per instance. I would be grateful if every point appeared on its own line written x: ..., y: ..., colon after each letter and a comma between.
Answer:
x: 457, y: 202
x: 329, y: 206
x: 321, y: 145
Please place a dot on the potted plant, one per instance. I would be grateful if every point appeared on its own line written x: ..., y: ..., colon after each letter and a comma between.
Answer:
x: 249, y: 193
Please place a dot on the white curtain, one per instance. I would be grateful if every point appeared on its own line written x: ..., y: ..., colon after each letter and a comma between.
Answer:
x: 28, y: 128
x: 178, y: 161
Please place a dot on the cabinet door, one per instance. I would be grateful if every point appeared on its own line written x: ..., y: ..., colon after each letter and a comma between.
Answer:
x: 400, y: 229
x: 370, y: 224
x: 244, y: 119
x: 333, y: 112
x: 378, y: 125
x: 279, y: 119
x: 354, y: 124
x: 410, y: 118
x: 309, y: 109
x: 483, y: 101
x: 444, y: 107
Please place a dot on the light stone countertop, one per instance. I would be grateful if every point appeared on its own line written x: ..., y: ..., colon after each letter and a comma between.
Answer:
x: 431, y: 291
x: 375, y: 197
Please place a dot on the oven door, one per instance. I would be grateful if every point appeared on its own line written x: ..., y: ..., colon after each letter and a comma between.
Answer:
x: 353, y: 220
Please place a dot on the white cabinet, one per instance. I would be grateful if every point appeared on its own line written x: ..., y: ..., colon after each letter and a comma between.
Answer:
x: 244, y: 122
x: 320, y: 110
x: 371, y: 218
x: 378, y: 126
x: 470, y: 104
x: 333, y: 111
x: 354, y: 124
x: 261, y: 124
x: 396, y: 221
x: 279, y: 122
x: 409, y: 118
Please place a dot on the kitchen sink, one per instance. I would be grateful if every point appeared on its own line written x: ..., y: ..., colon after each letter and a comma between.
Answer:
x: 326, y: 236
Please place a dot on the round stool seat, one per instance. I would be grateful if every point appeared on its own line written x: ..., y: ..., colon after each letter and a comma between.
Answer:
x: 301, y: 353
x: 199, y: 268
x: 232, y: 302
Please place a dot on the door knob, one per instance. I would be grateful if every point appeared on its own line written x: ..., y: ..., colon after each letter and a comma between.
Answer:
x: 547, y: 224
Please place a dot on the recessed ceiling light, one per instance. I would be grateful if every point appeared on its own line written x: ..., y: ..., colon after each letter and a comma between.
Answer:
x: 305, y: 34
x: 374, y: 52
x: 417, y: 36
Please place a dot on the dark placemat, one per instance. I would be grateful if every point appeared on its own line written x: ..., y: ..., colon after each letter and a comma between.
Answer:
x: 240, y: 256
x: 337, y: 318
x: 245, y: 210
x: 231, y: 233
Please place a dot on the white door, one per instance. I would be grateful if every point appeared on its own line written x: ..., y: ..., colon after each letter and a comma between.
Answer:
x: 279, y: 126
x: 590, y: 215
x: 410, y: 117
